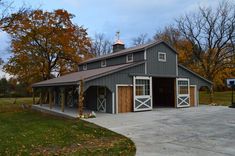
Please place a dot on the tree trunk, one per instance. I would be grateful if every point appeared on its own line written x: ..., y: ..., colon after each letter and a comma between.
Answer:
x: 81, y: 98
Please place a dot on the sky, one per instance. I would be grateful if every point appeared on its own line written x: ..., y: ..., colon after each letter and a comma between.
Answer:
x: 130, y: 17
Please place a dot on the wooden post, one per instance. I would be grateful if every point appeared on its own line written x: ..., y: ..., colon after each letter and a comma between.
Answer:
x: 50, y: 97
x: 62, y: 99
x: 81, y: 98
x: 33, y: 97
x: 40, y: 97
x: 55, y: 96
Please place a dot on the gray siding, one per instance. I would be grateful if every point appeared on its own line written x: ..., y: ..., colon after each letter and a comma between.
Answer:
x: 155, y: 67
x: 137, y: 56
x: 110, y: 81
x: 194, y: 80
x: 91, y: 99
x: 116, y: 60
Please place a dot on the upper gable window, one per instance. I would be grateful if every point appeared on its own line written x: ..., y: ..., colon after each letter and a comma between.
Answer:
x: 162, y: 56
x: 103, y: 63
x: 129, y: 57
x: 84, y: 67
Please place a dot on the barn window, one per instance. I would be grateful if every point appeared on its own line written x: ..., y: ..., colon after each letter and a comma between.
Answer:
x: 129, y: 58
x: 103, y: 63
x: 183, y: 87
x: 84, y: 67
x: 162, y: 56
x: 142, y: 87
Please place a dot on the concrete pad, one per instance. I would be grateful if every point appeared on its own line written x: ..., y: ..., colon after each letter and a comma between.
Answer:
x: 204, y: 130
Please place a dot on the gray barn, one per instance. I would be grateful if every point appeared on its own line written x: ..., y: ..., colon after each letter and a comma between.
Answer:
x: 133, y: 79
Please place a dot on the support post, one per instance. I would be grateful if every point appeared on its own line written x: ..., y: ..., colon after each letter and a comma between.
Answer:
x: 233, y: 103
x: 55, y: 97
x: 40, y: 97
x: 33, y: 97
x: 81, y: 98
x: 50, y: 97
x: 62, y: 99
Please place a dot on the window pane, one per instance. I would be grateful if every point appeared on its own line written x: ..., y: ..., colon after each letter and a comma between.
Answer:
x: 139, y: 90
x: 129, y: 57
x: 142, y: 86
x: 183, y: 89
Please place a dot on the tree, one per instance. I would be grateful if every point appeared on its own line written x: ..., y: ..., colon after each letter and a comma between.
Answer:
x: 4, y: 87
x: 101, y: 45
x: 141, y: 39
x: 44, y: 44
x: 1, y: 61
x: 211, y: 35
x: 171, y: 35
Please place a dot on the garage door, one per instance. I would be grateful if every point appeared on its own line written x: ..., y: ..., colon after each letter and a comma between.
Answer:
x: 192, y: 96
x: 125, y: 99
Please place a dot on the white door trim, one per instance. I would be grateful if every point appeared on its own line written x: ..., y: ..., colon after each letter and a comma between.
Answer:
x: 148, y: 97
x: 120, y: 85
x: 195, y: 94
x: 179, y: 96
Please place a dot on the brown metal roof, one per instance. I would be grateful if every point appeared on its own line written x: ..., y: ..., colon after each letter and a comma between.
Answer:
x: 73, y: 78
x: 126, y: 51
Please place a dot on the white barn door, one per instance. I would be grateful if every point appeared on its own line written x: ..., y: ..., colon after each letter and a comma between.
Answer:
x: 182, y: 85
x: 142, y: 92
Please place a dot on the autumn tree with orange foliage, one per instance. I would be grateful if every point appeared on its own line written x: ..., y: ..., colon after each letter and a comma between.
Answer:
x: 44, y: 45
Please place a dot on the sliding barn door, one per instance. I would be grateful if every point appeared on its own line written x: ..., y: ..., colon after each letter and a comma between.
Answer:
x: 142, y: 93
x: 183, y: 92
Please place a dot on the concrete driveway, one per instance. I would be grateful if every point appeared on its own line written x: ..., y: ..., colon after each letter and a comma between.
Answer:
x: 199, y: 131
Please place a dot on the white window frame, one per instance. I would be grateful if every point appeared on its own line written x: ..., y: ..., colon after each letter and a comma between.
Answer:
x: 101, y: 63
x: 182, y: 95
x: 142, y: 96
x: 127, y: 60
x: 84, y: 67
x: 160, y: 59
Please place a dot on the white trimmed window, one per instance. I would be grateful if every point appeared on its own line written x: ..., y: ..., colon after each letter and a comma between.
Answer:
x: 103, y: 63
x: 84, y: 67
x: 142, y: 87
x: 129, y: 57
x: 162, y: 56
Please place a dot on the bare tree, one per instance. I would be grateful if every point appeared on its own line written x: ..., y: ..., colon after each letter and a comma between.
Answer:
x: 1, y: 61
x: 169, y: 34
x: 141, y: 39
x: 211, y: 34
x: 101, y: 45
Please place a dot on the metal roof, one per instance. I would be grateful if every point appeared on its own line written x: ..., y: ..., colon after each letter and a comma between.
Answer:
x: 195, y: 74
x: 126, y: 51
x: 87, y: 75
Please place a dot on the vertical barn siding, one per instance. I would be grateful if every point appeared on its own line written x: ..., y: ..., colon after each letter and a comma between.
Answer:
x: 137, y: 56
x: 156, y: 67
x: 110, y: 81
x: 194, y: 80
x: 116, y: 60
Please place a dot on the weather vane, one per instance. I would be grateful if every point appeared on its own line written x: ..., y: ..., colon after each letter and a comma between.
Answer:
x: 118, y: 35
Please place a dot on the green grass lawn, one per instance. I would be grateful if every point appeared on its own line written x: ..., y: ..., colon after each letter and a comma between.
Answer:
x: 27, y: 132
x: 220, y: 98
x: 24, y: 100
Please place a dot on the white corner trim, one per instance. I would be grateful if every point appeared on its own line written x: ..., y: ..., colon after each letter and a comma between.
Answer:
x: 195, y: 94
x: 113, y: 110
x: 176, y: 64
